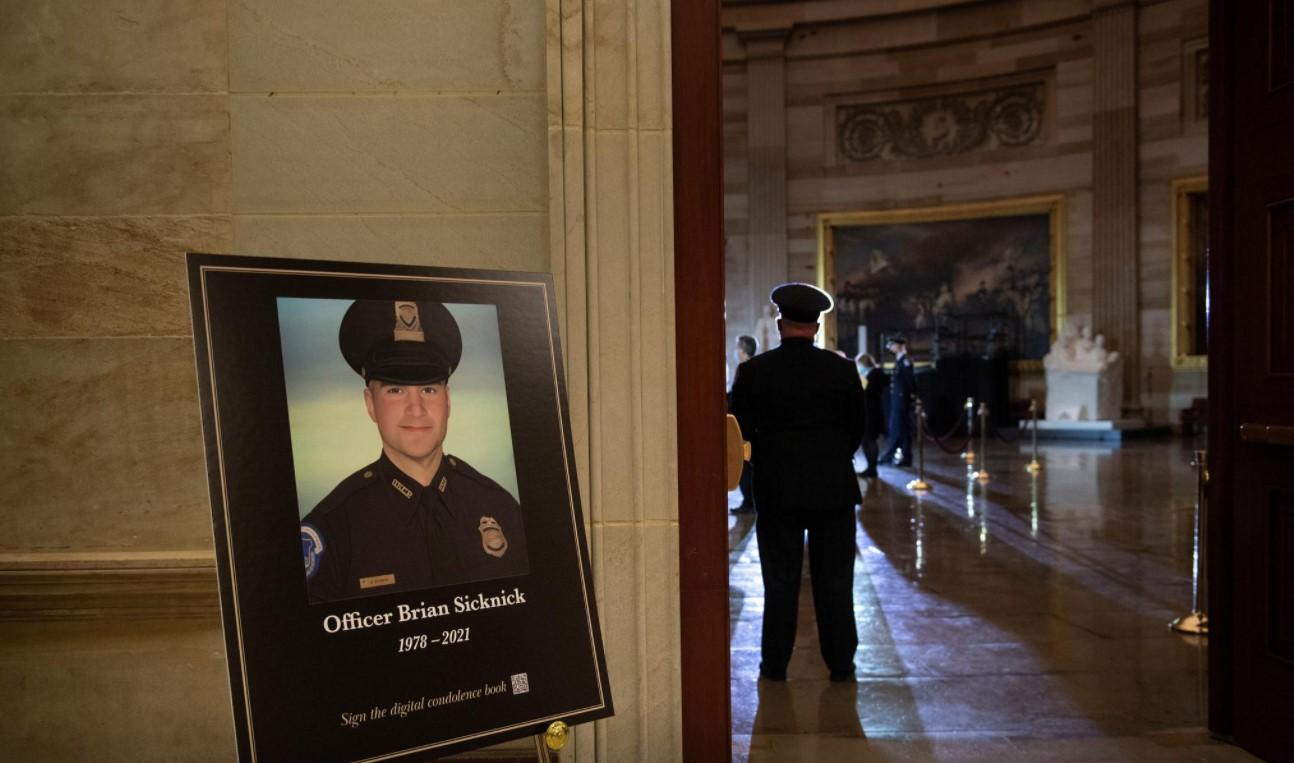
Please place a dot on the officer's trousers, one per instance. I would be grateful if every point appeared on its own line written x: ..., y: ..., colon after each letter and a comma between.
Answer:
x: 870, y: 450
x: 900, y: 426
x: 831, y: 570
x: 747, y: 485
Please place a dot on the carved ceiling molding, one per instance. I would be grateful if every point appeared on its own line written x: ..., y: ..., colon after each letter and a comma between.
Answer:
x: 943, y: 125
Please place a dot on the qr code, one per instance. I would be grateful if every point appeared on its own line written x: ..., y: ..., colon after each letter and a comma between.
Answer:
x: 520, y: 683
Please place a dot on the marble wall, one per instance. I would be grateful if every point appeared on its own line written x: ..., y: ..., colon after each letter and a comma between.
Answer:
x: 886, y: 52
x: 494, y: 134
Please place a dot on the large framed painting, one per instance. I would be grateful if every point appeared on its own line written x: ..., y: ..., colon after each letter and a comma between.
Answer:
x: 1190, y: 302
x: 975, y: 280
x: 402, y: 560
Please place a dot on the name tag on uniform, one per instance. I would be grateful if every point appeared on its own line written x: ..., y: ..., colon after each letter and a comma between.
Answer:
x: 377, y: 581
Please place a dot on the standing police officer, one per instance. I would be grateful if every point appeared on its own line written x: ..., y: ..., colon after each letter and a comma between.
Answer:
x: 903, y: 384
x: 802, y: 410
x: 416, y: 517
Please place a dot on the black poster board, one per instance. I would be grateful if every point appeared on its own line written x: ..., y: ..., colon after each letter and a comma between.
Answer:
x: 393, y: 668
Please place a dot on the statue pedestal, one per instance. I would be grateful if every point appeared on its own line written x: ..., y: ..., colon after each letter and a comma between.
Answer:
x: 1084, y: 395
x: 1113, y: 431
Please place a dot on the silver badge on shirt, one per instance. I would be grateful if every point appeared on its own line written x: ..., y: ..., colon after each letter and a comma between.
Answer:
x: 493, y: 540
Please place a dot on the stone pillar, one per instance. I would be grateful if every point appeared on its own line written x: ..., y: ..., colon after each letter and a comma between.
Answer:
x: 1114, y: 186
x: 766, y: 164
x: 611, y: 248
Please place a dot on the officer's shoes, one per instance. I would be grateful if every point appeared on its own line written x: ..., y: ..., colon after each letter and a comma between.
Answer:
x: 772, y: 675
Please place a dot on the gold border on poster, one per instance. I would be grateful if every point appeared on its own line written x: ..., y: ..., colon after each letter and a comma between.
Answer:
x: 1053, y: 205
x: 1181, y: 279
x: 562, y: 412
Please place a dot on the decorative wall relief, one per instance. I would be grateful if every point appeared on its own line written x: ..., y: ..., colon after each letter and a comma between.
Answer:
x: 942, y: 125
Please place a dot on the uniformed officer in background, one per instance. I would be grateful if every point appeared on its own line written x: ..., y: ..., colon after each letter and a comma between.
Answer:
x: 903, y: 385
x: 801, y: 408
x: 416, y: 517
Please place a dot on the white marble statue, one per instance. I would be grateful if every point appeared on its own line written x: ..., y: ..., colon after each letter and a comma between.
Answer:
x: 1079, y: 351
x: 1084, y: 379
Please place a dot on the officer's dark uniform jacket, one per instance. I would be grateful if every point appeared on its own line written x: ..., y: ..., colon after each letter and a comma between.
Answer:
x: 801, y: 408
x: 904, y: 383
x: 381, y: 532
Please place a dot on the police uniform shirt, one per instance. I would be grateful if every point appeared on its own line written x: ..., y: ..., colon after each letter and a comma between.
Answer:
x: 380, y: 531
x: 801, y: 408
x: 905, y: 380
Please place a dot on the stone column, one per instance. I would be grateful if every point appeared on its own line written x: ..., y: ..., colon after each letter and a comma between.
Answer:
x: 766, y: 164
x: 1114, y: 186
x: 611, y: 248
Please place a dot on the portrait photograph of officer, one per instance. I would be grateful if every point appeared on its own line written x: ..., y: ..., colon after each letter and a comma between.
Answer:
x: 395, y: 493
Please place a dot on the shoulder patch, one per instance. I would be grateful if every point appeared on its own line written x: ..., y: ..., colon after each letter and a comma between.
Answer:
x: 312, y: 548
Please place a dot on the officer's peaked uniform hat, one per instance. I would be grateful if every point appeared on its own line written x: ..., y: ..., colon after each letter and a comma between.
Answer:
x: 400, y: 342
x: 801, y: 302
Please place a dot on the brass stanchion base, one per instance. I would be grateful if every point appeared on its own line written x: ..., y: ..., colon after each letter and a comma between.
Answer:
x: 1196, y: 624
x: 919, y: 484
x: 982, y: 475
x: 1033, y: 466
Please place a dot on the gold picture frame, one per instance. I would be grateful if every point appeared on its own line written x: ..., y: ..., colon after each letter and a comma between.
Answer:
x: 1051, y: 205
x: 1186, y: 261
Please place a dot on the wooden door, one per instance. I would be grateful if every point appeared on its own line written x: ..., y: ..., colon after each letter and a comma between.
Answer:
x: 699, y: 354
x: 1251, y: 385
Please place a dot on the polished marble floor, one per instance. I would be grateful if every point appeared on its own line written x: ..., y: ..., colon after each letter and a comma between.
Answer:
x: 1022, y: 618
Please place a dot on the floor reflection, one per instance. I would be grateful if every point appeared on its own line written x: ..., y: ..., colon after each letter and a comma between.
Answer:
x: 997, y: 617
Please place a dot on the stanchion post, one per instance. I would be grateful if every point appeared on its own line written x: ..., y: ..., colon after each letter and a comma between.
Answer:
x: 1201, y: 536
x: 982, y: 474
x: 919, y: 425
x: 968, y: 455
x: 1197, y: 622
x: 1034, y: 466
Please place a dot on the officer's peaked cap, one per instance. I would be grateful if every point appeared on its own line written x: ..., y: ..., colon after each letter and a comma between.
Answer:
x: 898, y: 339
x: 801, y: 302
x: 402, y: 342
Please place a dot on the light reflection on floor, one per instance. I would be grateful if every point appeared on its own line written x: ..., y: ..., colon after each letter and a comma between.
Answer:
x: 1022, y: 618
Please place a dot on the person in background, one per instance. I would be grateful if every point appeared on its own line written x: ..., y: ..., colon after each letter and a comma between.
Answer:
x: 903, y: 385
x: 801, y: 408
x: 875, y: 384
x: 743, y: 350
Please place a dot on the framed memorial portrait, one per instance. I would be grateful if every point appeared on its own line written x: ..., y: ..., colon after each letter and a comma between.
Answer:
x: 400, y: 545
